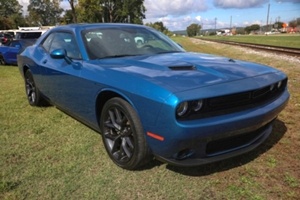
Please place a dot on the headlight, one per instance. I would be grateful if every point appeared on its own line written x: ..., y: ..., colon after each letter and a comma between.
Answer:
x: 189, y: 107
x: 197, y: 105
x: 182, y: 109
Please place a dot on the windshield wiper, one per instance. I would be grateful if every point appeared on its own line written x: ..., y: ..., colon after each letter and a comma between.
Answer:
x: 119, y: 56
x: 169, y: 52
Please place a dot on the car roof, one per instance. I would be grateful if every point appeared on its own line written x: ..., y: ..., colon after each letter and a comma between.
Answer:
x: 83, y: 26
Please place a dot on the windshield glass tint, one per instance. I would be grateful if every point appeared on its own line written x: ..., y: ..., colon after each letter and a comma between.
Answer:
x: 117, y: 42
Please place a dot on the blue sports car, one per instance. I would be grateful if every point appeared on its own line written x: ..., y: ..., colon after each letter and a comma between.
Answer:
x: 149, y: 98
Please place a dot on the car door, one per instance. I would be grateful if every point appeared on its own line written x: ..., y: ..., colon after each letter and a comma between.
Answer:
x: 11, y: 53
x: 59, y: 77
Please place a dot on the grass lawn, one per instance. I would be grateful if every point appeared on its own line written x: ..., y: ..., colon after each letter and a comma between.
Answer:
x: 284, y: 40
x: 45, y: 154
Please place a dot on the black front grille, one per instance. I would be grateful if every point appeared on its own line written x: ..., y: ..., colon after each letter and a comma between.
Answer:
x: 246, y: 98
x: 229, y: 101
x: 237, y: 102
x: 261, y: 92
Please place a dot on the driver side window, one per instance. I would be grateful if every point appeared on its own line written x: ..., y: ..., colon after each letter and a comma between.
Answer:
x: 62, y: 40
x: 47, y: 43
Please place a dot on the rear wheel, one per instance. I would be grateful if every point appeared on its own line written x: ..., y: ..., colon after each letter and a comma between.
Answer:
x: 33, y: 95
x: 123, y: 134
x: 2, y: 61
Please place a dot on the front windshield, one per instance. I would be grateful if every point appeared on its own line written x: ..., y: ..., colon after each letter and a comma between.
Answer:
x: 126, y: 41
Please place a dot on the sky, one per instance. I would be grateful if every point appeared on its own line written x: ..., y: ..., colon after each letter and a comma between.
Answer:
x: 179, y: 14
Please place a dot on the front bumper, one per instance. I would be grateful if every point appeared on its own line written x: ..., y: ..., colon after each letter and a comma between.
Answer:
x: 203, y: 141
x: 192, y: 156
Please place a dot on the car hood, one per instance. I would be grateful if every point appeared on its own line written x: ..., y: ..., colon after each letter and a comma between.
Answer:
x: 186, y: 71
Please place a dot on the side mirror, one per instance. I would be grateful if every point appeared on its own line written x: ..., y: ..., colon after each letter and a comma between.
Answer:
x: 60, y: 54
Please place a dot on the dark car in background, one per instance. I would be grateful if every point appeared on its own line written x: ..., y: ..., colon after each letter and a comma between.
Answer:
x: 8, y: 54
x: 5, y: 38
x: 29, y: 34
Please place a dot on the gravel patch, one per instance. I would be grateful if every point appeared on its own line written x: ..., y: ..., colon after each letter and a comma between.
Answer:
x: 252, y: 51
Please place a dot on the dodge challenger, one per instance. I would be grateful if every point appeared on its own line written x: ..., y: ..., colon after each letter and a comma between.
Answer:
x: 149, y: 98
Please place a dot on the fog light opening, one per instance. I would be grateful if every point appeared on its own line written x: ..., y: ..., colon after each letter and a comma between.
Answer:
x: 183, y: 154
x: 279, y: 84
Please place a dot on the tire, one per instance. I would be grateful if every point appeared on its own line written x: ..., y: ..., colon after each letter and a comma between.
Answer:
x: 123, y: 135
x: 2, y: 62
x: 33, y: 94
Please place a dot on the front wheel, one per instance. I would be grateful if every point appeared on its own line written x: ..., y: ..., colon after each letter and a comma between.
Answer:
x: 33, y: 95
x: 123, y: 134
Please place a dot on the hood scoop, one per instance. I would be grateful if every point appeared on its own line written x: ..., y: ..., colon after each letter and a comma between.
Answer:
x: 183, y: 68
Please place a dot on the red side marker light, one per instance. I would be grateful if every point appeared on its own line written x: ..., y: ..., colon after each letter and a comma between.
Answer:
x: 155, y: 136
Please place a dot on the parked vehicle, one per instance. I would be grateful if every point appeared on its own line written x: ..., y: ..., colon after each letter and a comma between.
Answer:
x: 29, y: 34
x: 153, y: 99
x: 5, y: 38
x: 8, y: 54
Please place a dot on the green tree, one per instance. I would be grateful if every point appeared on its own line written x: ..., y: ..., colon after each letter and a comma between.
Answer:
x: 8, y: 8
x: 72, y: 4
x: 113, y: 11
x: 130, y: 11
x: 9, y: 12
x: 67, y: 18
x: 160, y: 27
x: 193, y: 30
x: 253, y: 27
x: 89, y: 11
x: 278, y: 25
x: 44, y: 12
x: 5, y: 23
x: 73, y: 11
x: 18, y: 20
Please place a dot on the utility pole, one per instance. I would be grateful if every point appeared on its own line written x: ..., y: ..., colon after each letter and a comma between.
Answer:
x: 230, y: 22
x: 201, y: 28
x: 268, y: 17
x: 216, y: 25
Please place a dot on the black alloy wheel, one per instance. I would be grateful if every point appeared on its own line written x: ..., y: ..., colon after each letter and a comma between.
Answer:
x: 32, y: 92
x: 122, y: 134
